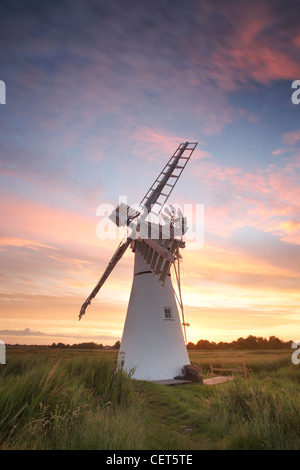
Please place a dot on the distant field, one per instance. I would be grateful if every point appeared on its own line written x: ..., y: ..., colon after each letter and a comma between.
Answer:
x: 252, y: 358
x: 196, y: 356
x: 60, y: 352
x: 79, y: 399
x: 248, y: 356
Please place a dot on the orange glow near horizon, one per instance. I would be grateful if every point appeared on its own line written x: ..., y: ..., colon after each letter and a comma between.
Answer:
x: 226, y: 294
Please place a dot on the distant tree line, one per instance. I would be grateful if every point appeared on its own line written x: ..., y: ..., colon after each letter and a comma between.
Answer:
x: 89, y: 345
x: 251, y: 342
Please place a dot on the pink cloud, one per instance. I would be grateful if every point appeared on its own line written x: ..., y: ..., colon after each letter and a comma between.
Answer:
x: 249, y: 52
x: 35, y: 225
x: 51, y: 251
x: 152, y: 144
x: 264, y: 199
x: 200, y: 154
x: 291, y: 225
x: 290, y: 231
x: 278, y: 151
x: 292, y: 137
x: 22, y: 243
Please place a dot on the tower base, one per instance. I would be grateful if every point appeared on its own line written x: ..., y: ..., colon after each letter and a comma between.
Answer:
x: 152, y: 346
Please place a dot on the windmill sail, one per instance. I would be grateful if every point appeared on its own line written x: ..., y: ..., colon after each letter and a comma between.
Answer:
x: 164, y: 184
x: 116, y: 257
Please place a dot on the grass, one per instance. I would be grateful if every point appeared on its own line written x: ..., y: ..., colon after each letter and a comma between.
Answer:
x: 82, y: 400
x: 255, y: 416
x: 50, y: 403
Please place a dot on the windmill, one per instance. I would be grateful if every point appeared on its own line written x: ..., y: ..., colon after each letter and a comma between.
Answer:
x: 153, y: 344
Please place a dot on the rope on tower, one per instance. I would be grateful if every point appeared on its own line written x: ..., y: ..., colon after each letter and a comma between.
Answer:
x: 179, y: 295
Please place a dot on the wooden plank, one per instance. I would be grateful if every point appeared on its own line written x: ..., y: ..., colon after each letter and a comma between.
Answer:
x: 217, y: 380
x: 163, y: 252
x: 174, y: 245
x: 172, y: 382
x: 150, y: 254
x: 142, y: 248
x: 158, y: 265
x: 146, y: 250
x: 165, y: 271
x: 227, y: 363
x: 239, y: 368
x: 154, y: 259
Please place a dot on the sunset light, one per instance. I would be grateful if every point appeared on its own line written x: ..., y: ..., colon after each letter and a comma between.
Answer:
x: 97, y: 100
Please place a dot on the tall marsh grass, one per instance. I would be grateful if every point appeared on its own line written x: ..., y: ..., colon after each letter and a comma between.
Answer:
x: 255, y: 414
x: 87, y: 402
x: 78, y: 403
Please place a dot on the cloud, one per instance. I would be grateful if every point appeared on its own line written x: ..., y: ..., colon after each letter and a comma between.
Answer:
x: 56, y: 252
x: 114, y: 65
x: 251, y: 44
x: 37, y: 220
x: 46, y: 338
x: 291, y: 225
x: 25, y: 332
x: 22, y: 242
x: 240, y: 262
x: 265, y: 198
x: 153, y: 144
x: 291, y: 137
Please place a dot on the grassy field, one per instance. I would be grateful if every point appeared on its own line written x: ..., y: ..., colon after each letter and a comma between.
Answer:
x: 79, y: 399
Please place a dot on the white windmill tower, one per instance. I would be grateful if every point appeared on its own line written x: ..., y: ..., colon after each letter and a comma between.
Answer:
x: 153, y: 344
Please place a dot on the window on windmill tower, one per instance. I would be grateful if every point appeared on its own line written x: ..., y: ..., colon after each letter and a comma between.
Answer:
x: 168, y: 313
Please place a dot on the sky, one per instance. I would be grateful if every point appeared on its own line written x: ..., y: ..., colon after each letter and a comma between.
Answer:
x: 99, y: 94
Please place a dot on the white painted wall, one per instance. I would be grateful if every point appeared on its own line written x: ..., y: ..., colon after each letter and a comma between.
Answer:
x: 153, y: 345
